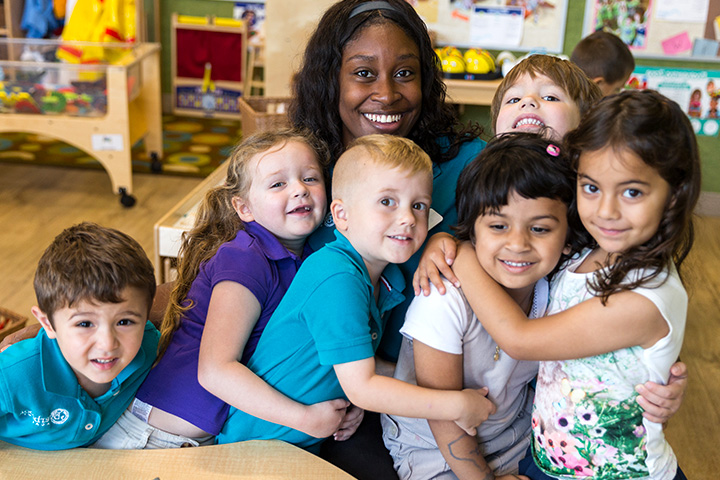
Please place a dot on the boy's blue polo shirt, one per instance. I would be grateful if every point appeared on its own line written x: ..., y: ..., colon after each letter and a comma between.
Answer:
x: 328, y: 316
x: 42, y: 405
x: 445, y: 178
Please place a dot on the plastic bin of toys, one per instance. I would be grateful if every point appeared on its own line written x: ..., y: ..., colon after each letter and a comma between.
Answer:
x: 44, y: 77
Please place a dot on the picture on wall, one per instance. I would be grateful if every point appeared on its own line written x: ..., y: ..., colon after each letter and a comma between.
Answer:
x: 696, y: 91
x: 628, y: 19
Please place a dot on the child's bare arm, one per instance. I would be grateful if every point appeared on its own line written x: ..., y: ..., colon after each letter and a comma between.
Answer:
x: 468, y: 408
x: 232, y: 314
x: 628, y: 319
x: 437, y: 257
x: 661, y: 401
x: 441, y: 370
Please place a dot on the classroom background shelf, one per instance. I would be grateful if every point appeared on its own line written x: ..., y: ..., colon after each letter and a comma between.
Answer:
x: 102, y: 109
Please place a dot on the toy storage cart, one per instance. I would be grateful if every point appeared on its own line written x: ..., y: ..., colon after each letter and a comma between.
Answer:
x: 102, y: 109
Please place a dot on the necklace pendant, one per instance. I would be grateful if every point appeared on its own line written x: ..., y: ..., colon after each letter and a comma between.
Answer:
x: 496, y: 357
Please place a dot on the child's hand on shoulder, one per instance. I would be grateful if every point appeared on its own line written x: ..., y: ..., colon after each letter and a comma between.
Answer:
x: 324, y: 418
x: 353, y: 418
x: 437, y: 257
x: 477, y: 409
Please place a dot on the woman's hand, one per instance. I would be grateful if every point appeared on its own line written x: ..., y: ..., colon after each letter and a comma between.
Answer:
x: 353, y: 418
x: 661, y: 402
x: 436, y: 259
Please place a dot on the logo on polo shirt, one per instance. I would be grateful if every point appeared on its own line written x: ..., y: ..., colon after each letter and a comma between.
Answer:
x: 328, y: 222
x: 57, y: 416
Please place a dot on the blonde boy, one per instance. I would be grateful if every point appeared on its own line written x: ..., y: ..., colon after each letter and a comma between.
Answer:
x: 67, y: 386
x: 320, y: 343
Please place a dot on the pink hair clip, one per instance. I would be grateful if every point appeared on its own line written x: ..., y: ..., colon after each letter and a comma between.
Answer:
x: 553, y: 150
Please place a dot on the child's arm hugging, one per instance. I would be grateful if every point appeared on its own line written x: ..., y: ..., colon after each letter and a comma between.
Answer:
x: 441, y: 370
x: 232, y: 314
x: 468, y: 408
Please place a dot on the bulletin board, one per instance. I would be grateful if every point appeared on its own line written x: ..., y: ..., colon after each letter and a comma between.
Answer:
x: 663, y: 29
x: 518, y: 25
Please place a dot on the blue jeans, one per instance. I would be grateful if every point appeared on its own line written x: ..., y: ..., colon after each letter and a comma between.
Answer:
x: 528, y: 468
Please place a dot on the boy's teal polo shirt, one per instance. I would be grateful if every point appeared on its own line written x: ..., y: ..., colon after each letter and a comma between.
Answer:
x: 328, y: 316
x: 445, y: 178
x: 42, y: 405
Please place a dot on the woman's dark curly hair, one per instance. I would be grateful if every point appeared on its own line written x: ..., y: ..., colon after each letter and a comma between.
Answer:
x: 655, y: 129
x: 316, y: 86
x: 517, y: 163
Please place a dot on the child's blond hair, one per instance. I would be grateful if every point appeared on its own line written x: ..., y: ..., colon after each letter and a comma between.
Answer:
x: 390, y: 151
x: 217, y: 222
x: 583, y: 91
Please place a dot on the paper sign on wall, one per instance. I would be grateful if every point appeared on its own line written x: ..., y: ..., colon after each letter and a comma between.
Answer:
x: 500, y: 27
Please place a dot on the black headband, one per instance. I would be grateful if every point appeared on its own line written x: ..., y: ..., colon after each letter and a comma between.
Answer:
x: 364, y: 7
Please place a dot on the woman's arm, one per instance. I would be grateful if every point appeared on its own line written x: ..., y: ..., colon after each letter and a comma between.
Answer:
x: 444, y: 371
x: 232, y: 314
x: 468, y: 408
x: 627, y: 319
x: 436, y: 259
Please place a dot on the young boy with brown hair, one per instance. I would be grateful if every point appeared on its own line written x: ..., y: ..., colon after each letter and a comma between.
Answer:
x: 68, y: 385
x: 542, y: 92
x: 605, y: 59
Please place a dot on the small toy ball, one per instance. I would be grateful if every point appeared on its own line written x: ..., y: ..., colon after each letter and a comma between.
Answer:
x: 479, y: 61
x: 453, y: 64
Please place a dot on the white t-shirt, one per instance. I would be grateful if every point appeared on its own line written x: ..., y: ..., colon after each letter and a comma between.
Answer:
x: 447, y: 323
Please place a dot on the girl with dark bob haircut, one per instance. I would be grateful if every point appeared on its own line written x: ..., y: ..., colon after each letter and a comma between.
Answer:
x: 528, y: 164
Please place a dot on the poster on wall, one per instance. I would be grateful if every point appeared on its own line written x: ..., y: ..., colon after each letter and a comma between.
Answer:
x: 696, y: 91
x: 251, y: 12
x: 628, y: 19
x: 677, y: 29
x: 525, y: 25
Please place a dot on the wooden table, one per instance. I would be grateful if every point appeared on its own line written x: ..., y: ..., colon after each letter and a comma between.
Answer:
x: 245, y: 460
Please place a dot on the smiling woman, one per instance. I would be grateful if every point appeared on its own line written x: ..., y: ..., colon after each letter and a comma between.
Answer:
x: 370, y: 68
x: 375, y: 62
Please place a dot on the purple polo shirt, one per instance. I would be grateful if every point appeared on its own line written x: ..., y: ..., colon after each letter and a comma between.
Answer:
x: 258, y: 261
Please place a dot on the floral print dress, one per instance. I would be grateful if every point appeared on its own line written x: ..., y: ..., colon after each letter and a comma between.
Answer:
x: 586, y: 421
